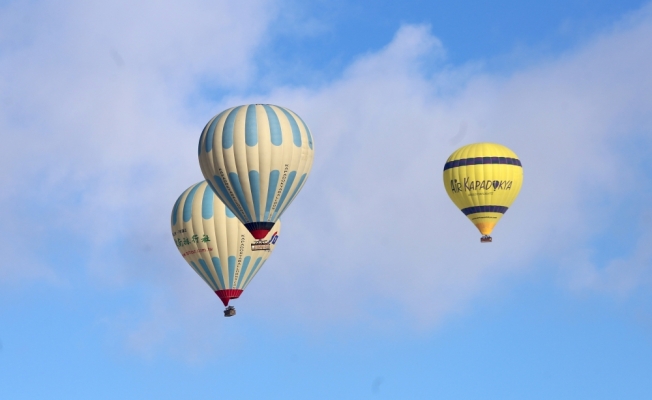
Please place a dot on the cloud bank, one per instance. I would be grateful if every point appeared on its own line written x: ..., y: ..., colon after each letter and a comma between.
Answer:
x: 109, y: 107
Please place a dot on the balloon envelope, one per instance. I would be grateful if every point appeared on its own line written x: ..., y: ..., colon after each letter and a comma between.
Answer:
x: 483, y: 179
x: 256, y: 158
x: 215, y: 244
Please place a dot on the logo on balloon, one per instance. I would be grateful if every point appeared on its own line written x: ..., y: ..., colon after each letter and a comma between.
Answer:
x: 261, y: 245
x: 468, y: 185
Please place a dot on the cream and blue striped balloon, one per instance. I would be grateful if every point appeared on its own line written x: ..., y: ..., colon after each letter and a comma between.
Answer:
x: 256, y: 157
x: 216, y: 244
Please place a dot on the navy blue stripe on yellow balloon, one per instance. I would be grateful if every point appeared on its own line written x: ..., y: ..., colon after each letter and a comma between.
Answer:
x: 482, y: 160
x: 481, y: 209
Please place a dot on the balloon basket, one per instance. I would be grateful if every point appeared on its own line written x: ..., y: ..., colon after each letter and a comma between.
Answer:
x: 486, y: 239
x: 229, y: 311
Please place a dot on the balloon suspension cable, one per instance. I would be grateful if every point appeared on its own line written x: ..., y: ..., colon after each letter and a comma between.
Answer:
x: 486, y: 239
x: 229, y: 311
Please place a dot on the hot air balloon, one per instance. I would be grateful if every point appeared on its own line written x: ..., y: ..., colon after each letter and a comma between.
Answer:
x: 483, y: 179
x: 256, y: 158
x: 216, y: 245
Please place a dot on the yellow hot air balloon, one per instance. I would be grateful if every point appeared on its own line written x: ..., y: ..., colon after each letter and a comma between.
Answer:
x: 483, y: 180
x: 216, y: 244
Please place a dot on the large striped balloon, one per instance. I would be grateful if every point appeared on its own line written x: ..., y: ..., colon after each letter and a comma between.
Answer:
x: 483, y: 179
x: 215, y: 244
x: 256, y: 158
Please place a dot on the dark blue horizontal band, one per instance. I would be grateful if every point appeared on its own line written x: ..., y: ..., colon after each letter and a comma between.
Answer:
x: 479, y: 209
x: 483, y: 160
x: 259, y: 225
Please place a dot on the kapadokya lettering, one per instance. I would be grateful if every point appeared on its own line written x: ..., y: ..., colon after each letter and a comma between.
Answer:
x: 468, y: 185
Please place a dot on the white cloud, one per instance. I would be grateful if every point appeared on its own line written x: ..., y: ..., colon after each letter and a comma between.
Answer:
x: 619, y: 276
x: 389, y: 234
x: 94, y: 110
x: 97, y: 97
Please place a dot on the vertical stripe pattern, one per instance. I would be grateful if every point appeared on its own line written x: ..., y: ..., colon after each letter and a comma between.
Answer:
x: 215, y: 244
x: 256, y: 158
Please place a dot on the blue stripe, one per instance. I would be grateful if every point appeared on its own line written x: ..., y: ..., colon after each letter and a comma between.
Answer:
x: 251, y: 126
x: 482, y: 160
x: 196, y: 269
x: 274, y: 126
x: 207, y: 203
x: 208, y: 273
x: 210, y: 133
x: 218, y: 268
x: 254, y: 183
x: 271, y: 190
x: 187, y: 206
x: 254, y: 271
x: 479, y: 209
x: 243, y: 270
x: 296, y: 133
x: 296, y: 190
x: 200, y: 139
x: 237, y: 188
x: 175, y: 210
x: 307, y: 132
x: 230, y: 204
x: 231, y: 272
x: 229, y: 124
x: 229, y: 213
x: 280, y: 207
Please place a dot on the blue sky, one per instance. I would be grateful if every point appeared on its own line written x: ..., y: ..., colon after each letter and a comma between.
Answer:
x: 101, y: 106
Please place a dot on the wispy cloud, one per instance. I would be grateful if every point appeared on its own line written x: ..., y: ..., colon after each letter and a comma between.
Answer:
x: 94, y: 117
